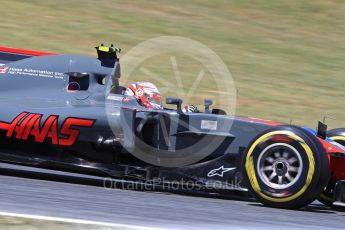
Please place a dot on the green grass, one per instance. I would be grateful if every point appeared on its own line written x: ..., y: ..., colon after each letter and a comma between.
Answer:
x: 19, y: 223
x: 287, y: 57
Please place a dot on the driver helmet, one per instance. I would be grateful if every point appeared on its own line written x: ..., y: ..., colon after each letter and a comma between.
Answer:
x: 146, y: 94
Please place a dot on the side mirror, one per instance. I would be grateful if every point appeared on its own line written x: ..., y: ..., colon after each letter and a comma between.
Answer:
x: 218, y: 112
x: 175, y: 101
x: 207, y: 103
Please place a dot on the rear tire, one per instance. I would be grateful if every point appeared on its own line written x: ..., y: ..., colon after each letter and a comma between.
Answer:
x: 327, y: 196
x: 286, y: 167
x: 337, y: 135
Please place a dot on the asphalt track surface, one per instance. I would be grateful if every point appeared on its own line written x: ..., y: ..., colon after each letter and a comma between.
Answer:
x: 24, y: 192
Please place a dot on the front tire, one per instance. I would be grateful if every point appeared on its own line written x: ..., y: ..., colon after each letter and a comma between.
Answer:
x: 286, y: 167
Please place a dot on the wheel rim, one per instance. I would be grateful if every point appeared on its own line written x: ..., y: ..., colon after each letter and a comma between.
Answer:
x: 280, y: 166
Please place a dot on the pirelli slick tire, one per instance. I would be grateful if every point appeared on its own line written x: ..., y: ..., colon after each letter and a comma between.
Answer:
x: 337, y: 135
x: 327, y: 196
x: 286, y: 167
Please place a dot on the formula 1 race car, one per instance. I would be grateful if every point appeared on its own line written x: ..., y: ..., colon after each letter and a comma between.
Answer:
x: 70, y: 113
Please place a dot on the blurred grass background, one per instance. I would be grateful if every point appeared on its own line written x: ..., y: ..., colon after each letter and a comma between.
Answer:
x: 287, y: 57
x: 19, y: 223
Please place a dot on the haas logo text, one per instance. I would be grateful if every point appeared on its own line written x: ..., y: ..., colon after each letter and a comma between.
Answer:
x: 30, y: 124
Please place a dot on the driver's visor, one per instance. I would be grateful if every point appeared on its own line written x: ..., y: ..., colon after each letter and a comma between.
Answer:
x: 155, y: 99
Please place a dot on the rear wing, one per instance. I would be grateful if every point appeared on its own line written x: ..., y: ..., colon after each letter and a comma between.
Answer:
x: 8, y: 54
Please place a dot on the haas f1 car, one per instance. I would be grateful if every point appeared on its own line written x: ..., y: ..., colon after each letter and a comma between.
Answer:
x: 70, y: 113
